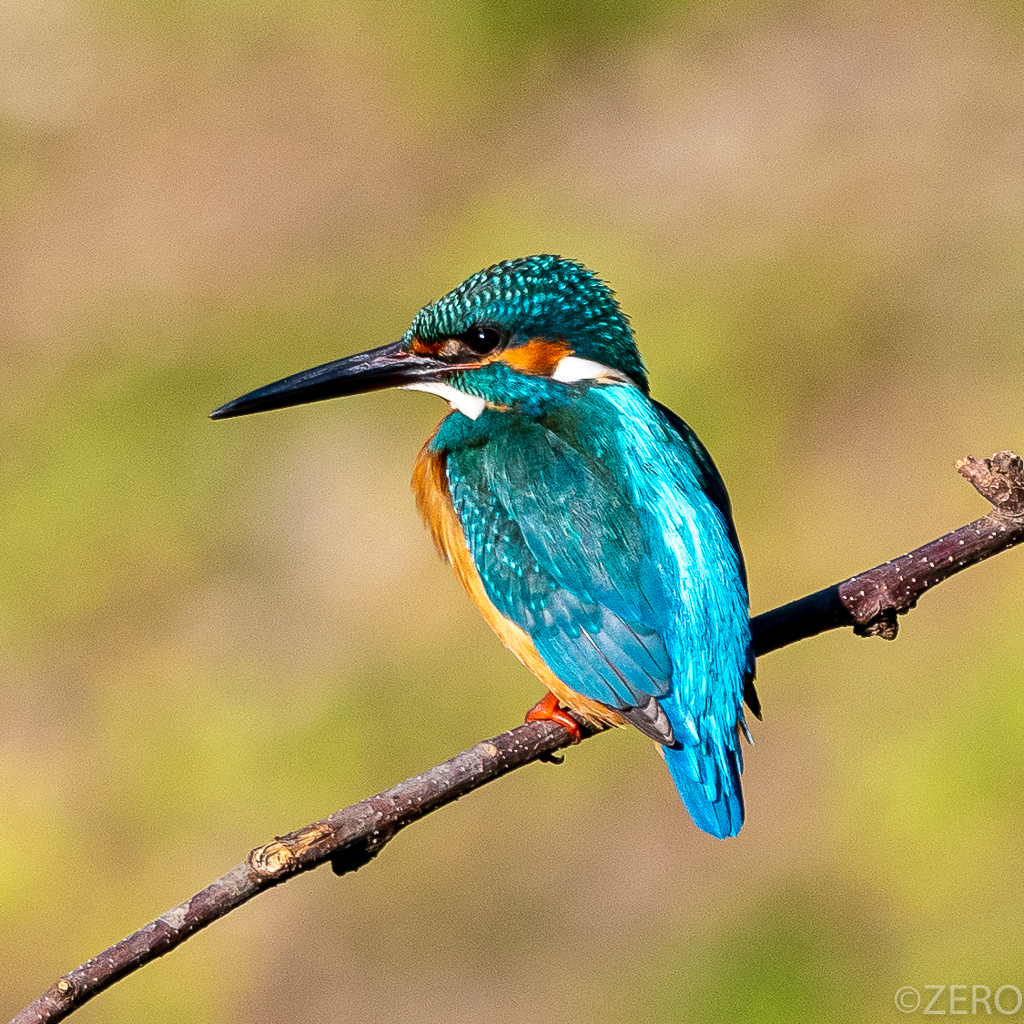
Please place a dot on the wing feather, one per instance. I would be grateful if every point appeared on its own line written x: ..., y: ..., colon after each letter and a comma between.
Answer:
x: 603, y: 531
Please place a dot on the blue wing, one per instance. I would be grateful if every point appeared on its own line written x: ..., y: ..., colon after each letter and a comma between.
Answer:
x: 603, y: 531
x: 714, y: 487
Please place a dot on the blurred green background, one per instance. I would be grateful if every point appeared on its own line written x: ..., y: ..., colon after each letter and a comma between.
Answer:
x: 214, y: 633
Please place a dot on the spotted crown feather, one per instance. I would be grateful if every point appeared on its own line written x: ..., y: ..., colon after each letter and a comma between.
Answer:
x: 540, y: 296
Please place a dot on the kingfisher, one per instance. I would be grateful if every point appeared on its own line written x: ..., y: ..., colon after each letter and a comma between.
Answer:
x: 586, y: 521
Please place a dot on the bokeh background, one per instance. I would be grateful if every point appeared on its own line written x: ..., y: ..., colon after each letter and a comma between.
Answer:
x: 214, y: 633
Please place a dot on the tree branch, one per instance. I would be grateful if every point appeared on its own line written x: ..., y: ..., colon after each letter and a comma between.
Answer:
x: 869, y: 602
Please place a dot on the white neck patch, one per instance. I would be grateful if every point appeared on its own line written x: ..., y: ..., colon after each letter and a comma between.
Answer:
x: 469, y: 405
x: 572, y: 368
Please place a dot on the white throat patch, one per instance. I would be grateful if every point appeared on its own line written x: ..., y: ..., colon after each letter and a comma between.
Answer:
x: 469, y: 405
x: 572, y: 368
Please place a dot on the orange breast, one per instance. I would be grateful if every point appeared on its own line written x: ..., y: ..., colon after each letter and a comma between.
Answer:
x: 430, y: 485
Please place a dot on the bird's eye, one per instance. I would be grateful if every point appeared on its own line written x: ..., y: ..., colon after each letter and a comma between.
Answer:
x: 483, y: 339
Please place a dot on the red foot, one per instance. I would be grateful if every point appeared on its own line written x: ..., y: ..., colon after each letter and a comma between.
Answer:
x: 549, y: 710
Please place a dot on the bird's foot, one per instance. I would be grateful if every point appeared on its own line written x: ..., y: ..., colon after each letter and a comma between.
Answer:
x: 549, y: 710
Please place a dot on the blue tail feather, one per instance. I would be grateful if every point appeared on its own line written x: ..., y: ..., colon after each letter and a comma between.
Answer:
x: 716, y: 803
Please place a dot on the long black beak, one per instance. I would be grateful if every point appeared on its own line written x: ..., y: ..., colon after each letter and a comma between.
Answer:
x: 385, y: 367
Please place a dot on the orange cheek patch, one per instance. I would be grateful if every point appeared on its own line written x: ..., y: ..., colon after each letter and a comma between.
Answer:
x: 425, y: 348
x: 538, y: 356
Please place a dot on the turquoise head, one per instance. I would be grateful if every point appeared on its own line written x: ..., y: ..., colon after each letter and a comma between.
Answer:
x: 513, y: 335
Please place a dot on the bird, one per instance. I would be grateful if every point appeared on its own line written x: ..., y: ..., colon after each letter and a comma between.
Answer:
x: 586, y: 521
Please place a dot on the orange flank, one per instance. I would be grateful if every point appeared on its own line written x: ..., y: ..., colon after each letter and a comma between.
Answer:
x: 538, y: 356
x: 430, y: 485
